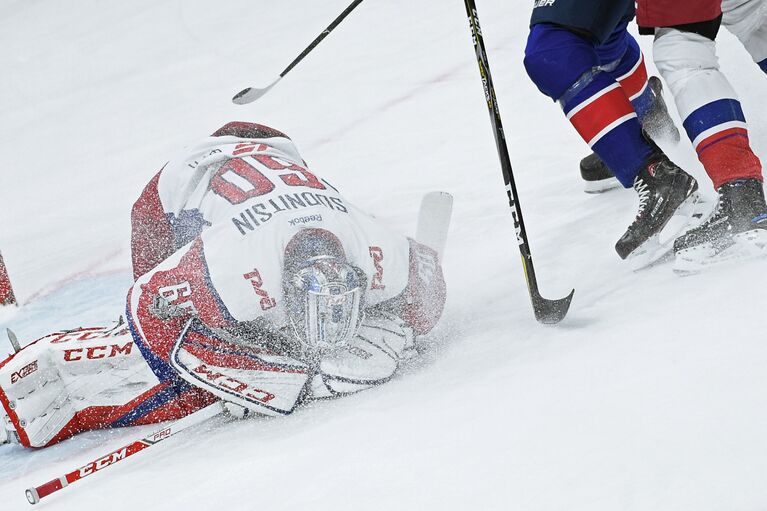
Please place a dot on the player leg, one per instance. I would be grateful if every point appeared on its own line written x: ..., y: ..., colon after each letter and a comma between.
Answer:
x: 622, y: 58
x: 747, y: 20
x: 565, y: 66
x: 714, y: 121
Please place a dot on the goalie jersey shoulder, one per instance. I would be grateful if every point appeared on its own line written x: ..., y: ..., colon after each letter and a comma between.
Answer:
x: 242, y: 181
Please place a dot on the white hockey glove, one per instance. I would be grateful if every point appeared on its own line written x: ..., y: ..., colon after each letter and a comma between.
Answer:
x: 371, y: 358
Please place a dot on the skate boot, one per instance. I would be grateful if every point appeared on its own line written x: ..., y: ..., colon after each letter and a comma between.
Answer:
x: 737, y: 230
x: 597, y: 177
x: 667, y: 206
x: 658, y: 124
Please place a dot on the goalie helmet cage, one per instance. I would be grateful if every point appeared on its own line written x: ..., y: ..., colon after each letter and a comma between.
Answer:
x: 6, y: 290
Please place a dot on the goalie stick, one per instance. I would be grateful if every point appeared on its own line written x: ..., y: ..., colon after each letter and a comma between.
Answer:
x: 546, y: 311
x: 36, y: 493
x: 251, y: 94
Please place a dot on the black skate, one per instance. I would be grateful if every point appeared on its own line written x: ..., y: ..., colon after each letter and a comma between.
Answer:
x: 667, y: 206
x: 597, y: 177
x: 736, y: 230
x: 657, y: 123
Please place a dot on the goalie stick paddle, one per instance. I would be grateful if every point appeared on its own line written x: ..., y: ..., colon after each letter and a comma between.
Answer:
x: 434, y: 220
x: 38, y: 492
x: 545, y: 310
x: 251, y: 94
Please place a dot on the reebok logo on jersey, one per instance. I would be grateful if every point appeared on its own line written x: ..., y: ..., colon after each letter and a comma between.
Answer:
x: 543, y: 3
x: 305, y: 219
x: 24, y: 372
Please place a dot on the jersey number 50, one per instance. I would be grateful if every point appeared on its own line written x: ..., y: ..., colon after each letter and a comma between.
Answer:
x: 239, y: 180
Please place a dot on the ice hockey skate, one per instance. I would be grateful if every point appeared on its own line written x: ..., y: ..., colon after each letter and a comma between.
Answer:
x: 668, y: 197
x: 597, y: 177
x: 736, y: 230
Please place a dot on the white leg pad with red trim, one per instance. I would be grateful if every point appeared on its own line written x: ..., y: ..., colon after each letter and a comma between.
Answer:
x: 48, y: 383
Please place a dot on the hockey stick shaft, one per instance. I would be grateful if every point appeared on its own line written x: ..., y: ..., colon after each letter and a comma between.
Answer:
x: 251, y: 94
x: 546, y: 311
x: 39, y: 492
x: 322, y: 36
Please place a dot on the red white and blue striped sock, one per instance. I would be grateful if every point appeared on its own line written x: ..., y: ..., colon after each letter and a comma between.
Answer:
x: 719, y: 133
x: 607, y: 121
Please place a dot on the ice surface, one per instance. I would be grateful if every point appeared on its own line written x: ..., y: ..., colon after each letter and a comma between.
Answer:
x: 650, y: 395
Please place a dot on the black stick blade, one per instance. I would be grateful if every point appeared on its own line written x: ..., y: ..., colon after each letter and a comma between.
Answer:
x: 551, y: 311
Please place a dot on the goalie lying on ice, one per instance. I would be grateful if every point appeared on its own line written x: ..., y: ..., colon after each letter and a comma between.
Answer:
x: 256, y: 283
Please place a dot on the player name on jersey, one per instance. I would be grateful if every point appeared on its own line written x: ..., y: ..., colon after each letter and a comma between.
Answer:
x: 261, y: 212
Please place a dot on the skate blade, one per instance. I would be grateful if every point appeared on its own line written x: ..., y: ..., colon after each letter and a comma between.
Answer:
x: 601, y: 185
x: 746, y: 246
x: 686, y: 216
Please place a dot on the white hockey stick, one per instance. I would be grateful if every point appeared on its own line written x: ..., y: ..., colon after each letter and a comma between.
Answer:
x: 38, y: 492
x: 434, y: 220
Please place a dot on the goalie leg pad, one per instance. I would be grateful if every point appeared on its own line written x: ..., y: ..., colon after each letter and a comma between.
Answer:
x: 73, y: 381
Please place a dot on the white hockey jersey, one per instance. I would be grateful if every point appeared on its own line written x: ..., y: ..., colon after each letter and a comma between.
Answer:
x: 234, y: 203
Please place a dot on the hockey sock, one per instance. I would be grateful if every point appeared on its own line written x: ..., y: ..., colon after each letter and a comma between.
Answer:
x: 566, y: 67
x: 719, y: 133
x: 631, y: 73
x: 705, y: 99
x: 605, y: 119
x: 763, y: 65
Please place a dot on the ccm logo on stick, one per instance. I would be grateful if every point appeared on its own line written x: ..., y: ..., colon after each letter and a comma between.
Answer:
x: 103, y: 462
x: 24, y: 371
x: 97, y: 352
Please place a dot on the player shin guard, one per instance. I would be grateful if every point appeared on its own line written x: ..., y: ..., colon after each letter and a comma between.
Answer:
x: 606, y: 120
x: 567, y: 68
x: 631, y: 74
x: 719, y: 133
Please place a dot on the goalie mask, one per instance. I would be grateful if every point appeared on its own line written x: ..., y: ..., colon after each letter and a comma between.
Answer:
x: 324, y: 294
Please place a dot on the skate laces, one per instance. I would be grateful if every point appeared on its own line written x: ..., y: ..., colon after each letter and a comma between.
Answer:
x: 643, y: 190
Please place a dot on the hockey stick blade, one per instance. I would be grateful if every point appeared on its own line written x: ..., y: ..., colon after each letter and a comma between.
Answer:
x: 13, y: 339
x: 551, y: 311
x: 251, y: 94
